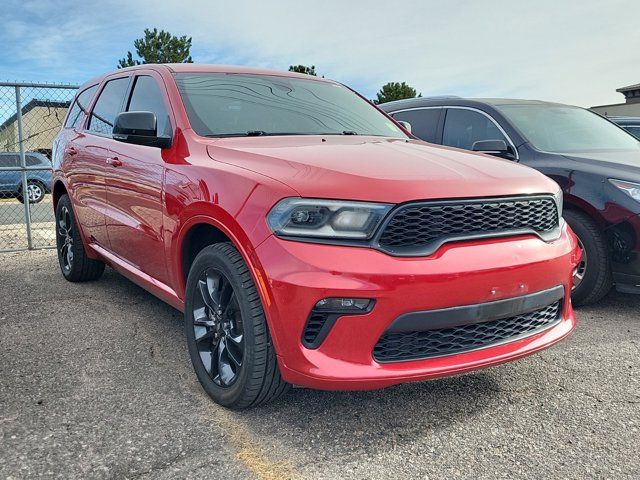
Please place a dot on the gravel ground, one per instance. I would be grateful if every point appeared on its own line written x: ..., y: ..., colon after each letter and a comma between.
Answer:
x: 95, y: 382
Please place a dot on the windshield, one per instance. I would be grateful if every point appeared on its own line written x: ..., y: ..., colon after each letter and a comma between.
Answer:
x: 220, y: 105
x: 565, y: 129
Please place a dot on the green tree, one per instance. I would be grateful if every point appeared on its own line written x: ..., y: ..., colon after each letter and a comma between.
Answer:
x: 304, y: 69
x: 159, y: 47
x: 395, y: 91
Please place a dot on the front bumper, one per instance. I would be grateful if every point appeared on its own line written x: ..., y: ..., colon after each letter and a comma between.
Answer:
x: 465, y: 273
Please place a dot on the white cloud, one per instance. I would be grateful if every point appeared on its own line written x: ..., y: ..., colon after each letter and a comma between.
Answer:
x: 569, y: 51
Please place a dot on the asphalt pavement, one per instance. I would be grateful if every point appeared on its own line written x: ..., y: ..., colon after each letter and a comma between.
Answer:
x: 96, y: 382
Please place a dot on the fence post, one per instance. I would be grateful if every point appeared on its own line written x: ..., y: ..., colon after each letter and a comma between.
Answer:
x: 23, y: 167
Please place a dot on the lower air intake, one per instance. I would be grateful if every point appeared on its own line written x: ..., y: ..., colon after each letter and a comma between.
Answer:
x: 398, y: 347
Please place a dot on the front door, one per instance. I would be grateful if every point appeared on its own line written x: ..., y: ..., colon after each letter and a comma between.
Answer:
x: 134, y: 182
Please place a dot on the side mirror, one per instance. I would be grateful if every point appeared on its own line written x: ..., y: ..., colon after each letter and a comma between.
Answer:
x: 498, y: 148
x: 405, y: 125
x: 139, y: 128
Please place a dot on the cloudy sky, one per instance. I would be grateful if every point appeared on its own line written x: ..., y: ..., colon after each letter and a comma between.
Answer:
x: 575, y: 52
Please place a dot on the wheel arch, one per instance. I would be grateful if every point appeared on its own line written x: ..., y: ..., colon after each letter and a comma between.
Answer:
x: 201, y: 231
x: 59, y: 189
x: 576, y: 204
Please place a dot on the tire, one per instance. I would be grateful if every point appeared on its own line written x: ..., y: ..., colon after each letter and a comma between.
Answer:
x: 597, y: 279
x: 76, y: 266
x: 220, y: 274
x: 36, y: 191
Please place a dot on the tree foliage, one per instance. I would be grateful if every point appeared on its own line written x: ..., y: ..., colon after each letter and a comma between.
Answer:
x: 159, y: 47
x: 304, y: 69
x: 395, y: 91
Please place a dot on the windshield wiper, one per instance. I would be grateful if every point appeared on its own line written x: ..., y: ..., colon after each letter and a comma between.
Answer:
x: 255, y: 133
x: 262, y: 133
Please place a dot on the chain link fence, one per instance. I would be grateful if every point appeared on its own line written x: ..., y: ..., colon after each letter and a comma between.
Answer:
x: 31, y: 115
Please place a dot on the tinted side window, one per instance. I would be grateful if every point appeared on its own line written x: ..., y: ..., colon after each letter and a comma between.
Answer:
x: 635, y: 131
x: 32, y: 161
x: 147, y: 97
x: 424, y: 122
x: 79, y: 108
x: 108, y: 106
x: 462, y: 128
x: 9, y: 160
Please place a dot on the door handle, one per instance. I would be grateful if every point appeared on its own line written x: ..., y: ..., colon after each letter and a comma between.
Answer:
x: 70, y: 151
x: 114, y: 161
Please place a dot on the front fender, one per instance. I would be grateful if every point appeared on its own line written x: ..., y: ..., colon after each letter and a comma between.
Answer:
x: 210, y: 214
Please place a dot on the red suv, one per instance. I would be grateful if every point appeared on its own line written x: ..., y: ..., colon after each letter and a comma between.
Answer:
x: 305, y: 235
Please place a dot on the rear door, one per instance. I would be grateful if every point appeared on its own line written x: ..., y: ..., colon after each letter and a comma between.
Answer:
x: 134, y: 184
x: 87, y: 152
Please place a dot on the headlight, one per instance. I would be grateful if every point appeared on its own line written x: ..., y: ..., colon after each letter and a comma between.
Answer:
x: 331, y: 219
x: 630, y: 188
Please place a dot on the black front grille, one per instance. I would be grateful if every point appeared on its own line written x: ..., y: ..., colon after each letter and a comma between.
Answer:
x: 425, y: 226
x: 398, y: 347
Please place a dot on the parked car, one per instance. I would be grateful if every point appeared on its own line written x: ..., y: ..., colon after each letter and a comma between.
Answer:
x: 630, y: 124
x: 306, y: 237
x: 596, y: 163
x: 38, y: 181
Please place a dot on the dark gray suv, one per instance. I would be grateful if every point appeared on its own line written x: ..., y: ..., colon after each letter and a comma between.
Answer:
x: 595, y: 162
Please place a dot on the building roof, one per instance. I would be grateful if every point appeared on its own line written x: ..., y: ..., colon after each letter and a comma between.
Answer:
x: 628, y: 88
x: 33, y: 103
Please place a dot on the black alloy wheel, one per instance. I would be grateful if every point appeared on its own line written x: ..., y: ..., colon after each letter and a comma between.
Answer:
x: 227, y: 333
x: 75, y: 264
x: 217, y: 327
x: 65, y: 239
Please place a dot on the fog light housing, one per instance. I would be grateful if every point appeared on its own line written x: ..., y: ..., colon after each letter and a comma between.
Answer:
x: 326, y: 312
x: 343, y: 304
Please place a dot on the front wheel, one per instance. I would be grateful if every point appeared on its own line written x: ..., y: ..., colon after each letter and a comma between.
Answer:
x: 227, y: 333
x: 592, y: 278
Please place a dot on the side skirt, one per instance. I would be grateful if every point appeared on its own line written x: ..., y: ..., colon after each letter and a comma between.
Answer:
x: 162, y: 291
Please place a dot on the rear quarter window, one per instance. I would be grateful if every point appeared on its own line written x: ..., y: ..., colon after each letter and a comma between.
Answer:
x: 35, y: 161
x: 80, y: 108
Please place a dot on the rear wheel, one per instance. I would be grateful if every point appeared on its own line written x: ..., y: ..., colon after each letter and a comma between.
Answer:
x: 35, y: 191
x: 592, y: 279
x: 227, y: 335
x: 76, y: 266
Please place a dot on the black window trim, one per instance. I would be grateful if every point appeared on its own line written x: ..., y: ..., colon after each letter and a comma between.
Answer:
x: 124, y: 100
x: 75, y: 100
x: 473, y: 109
x: 161, y: 85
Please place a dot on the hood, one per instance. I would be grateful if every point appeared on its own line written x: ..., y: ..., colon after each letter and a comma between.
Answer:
x: 620, y: 164
x: 377, y: 169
